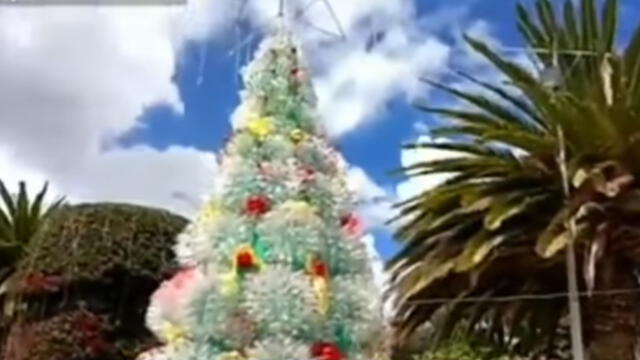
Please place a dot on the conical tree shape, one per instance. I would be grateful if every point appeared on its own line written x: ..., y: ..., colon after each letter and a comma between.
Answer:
x: 274, y: 265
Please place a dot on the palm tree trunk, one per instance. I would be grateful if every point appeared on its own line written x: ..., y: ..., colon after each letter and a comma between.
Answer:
x: 612, y: 320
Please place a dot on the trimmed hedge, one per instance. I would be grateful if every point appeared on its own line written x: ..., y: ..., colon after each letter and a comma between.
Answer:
x: 91, y: 261
x: 85, y: 242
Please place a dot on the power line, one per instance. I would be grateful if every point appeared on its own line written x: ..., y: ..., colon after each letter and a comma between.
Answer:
x: 523, y: 297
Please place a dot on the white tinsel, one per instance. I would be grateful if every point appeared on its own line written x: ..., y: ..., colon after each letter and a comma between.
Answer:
x: 283, y: 303
x: 168, y: 309
x: 280, y: 348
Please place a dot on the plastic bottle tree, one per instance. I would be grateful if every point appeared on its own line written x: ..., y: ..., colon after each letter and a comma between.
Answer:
x: 274, y: 267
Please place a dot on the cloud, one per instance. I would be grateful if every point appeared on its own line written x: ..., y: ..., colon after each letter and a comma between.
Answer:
x: 73, y: 80
x: 176, y: 178
x: 416, y: 185
x: 375, y: 202
x: 362, y: 81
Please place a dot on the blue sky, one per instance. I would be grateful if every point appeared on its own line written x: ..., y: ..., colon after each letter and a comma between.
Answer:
x: 91, y: 81
x: 210, y: 89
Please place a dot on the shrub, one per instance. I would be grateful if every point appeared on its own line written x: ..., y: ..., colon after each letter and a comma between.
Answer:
x: 93, y: 266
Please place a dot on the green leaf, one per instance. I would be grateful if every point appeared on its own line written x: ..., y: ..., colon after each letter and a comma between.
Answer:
x: 571, y: 24
x: 610, y: 25
x: 632, y: 67
x: 508, y: 208
x: 426, y: 274
x: 529, y: 30
x: 7, y: 199
x: 501, y: 115
x: 520, y: 103
x: 548, y: 19
x: 477, y: 250
x: 548, y: 245
x: 590, y: 29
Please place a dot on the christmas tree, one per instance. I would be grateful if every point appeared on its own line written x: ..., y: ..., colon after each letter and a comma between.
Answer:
x: 274, y: 267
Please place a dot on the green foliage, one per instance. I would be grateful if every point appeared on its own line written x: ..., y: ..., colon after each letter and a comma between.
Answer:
x: 96, y: 263
x: 85, y: 242
x: 462, y: 348
x: 497, y: 225
x: 20, y: 219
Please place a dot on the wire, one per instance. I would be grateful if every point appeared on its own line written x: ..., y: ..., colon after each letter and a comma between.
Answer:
x: 511, y: 298
x: 281, y: 9
x: 335, y: 18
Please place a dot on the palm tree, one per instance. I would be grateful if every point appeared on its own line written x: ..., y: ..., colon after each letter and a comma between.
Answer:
x: 498, y: 226
x: 20, y: 220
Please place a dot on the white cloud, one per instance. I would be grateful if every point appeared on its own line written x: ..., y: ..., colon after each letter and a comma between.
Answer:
x: 176, y: 178
x: 74, y: 79
x: 375, y: 202
x: 356, y: 89
x: 417, y: 185
x: 12, y: 171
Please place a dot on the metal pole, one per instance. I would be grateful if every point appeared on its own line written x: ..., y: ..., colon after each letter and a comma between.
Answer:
x: 577, y: 345
x: 281, y: 9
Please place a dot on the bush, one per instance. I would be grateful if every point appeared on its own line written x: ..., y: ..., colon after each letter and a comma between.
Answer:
x: 93, y: 266
x: 464, y: 350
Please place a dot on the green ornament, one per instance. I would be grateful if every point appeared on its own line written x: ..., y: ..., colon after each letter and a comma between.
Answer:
x: 343, y: 337
x: 260, y: 248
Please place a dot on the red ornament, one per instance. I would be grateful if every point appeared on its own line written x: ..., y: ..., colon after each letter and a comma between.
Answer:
x: 326, y: 351
x: 258, y: 205
x: 352, y: 224
x: 297, y: 73
x: 245, y: 259
x: 320, y: 268
x: 306, y: 173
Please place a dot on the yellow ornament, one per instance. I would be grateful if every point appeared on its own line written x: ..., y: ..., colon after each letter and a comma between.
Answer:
x: 175, y: 334
x: 261, y: 127
x: 321, y: 290
x: 298, y: 136
x: 300, y: 208
x: 229, y: 283
x: 211, y: 211
x: 319, y: 271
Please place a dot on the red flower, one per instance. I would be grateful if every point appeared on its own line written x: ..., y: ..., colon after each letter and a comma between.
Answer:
x: 88, y: 324
x: 96, y: 345
x: 258, y: 205
x: 42, y: 283
x: 326, y: 351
